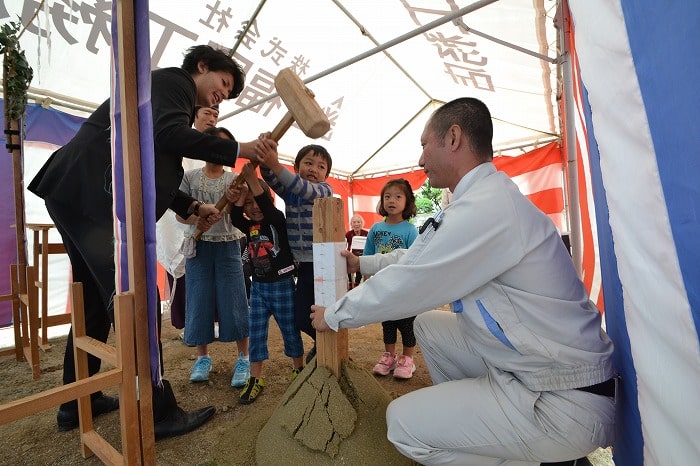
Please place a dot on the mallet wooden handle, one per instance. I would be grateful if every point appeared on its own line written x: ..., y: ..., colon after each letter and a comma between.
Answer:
x: 302, y: 108
x: 285, y: 123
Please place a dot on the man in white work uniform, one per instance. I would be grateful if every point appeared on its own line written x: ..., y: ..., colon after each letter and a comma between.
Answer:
x: 522, y: 371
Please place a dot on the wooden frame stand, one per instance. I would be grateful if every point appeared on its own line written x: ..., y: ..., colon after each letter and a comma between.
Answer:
x: 41, y: 251
x: 137, y: 447
x: 30, y: 311
x: 24, y: 297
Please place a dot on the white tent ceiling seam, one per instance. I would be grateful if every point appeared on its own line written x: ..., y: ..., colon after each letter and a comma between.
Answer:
x: 375, y: 50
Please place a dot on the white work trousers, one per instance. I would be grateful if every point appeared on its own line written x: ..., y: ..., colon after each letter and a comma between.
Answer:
x: 478, y: 415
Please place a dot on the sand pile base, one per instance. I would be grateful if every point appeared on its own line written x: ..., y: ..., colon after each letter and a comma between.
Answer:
x: 324, y: 420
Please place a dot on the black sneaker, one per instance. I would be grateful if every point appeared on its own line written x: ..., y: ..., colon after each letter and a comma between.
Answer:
x: 67, y: 417
x: 251, y: 390
x: 296, y: 371
x: 579, y: 462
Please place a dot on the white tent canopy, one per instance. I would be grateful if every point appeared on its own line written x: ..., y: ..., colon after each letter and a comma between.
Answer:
x: 640, y: 177
x: 377, y: 68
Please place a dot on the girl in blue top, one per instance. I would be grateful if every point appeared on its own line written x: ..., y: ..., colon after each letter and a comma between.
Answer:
x: 397, y: 205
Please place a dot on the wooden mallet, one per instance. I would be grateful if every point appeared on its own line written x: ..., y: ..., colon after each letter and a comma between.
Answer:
x: 301, y: 107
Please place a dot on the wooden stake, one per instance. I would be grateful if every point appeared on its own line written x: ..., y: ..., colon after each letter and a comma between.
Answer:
x: 330, y: 277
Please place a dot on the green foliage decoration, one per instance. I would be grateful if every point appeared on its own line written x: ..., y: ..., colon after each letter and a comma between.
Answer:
x: 18, y: 74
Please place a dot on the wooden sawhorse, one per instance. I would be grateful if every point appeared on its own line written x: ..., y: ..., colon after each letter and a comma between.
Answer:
x: 29, y: 314
x: 41, y: 250
x: 137, y: 440
x: 24, y: 296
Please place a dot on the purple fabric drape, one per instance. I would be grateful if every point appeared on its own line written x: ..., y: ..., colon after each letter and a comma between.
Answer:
x: 143, y: 64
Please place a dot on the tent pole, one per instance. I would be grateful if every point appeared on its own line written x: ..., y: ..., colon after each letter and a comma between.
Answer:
x: 504, y: 43
x: 404, y: 126
x: 367, y: 34
x: 526, y: 145
x: 250, y: 22
x: 13, y: 129
x: 380, y: 48
x: 570, y: 131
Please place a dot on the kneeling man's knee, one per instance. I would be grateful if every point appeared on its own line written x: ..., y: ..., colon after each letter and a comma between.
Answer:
x: 419, y: 328
x: 398, y: 428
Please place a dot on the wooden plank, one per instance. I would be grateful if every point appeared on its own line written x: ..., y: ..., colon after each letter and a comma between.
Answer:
x: 23, y: 347
x: 13, y: 139
x: 44, y: 286
x: 329, y: 231
x: 32, y: 350
x: 40, y: 226
x: 133, y: 194
x: 41, y: 249
x: 126, y: 356
x: 51, y: 248
x: 103, y: 351
x: 14, y: 289
x: 55, y: 248
x: 81, y: 364
x: 104, y: 451
x: 57, y: 319
x: 18, y: 409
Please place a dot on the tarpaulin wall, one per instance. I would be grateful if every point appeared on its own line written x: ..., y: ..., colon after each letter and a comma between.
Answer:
x: 538, y: 174
x: 52, y: 129
x: 640, y: 68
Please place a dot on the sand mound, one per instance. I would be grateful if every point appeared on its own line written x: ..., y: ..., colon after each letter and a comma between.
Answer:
x: 324, y: 420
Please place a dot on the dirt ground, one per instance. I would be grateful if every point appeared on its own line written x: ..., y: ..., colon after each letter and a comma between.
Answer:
x: 228, y: 439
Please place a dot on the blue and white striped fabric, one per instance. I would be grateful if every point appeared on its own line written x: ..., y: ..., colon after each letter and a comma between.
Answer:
x: 641, y: 69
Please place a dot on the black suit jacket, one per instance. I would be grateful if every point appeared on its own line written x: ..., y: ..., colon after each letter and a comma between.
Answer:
x: 79, y: 174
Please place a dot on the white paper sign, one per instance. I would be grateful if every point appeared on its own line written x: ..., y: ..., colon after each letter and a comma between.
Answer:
x: 330, y: 273
x: 358, y: 242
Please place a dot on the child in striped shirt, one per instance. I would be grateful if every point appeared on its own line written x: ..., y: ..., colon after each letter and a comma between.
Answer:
x: 299, y: 190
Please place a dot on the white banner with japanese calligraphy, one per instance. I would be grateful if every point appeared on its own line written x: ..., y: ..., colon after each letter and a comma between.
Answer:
x: 377, y: 106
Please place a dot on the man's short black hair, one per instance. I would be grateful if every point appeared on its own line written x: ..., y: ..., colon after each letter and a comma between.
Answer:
x: 473, y: 116
x: 216, y: 60
x: 217, y: 131
x: 197, y: 108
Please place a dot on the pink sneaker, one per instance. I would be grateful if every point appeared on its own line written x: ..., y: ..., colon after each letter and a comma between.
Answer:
x: 404, y: 367
x: 385, y: 365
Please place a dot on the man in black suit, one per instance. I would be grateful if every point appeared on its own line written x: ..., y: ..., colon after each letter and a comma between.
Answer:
x: 76, y: 184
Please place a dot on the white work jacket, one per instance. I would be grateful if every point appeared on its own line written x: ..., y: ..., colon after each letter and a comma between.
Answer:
x: 503, y: 268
